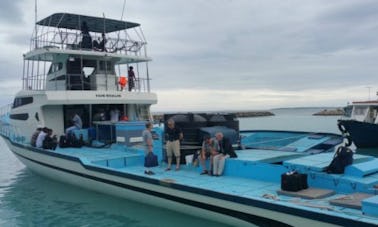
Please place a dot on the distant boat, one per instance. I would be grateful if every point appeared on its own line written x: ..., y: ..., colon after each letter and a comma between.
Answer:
x: 361, y: 123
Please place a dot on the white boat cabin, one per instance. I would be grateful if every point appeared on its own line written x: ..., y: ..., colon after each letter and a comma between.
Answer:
x: 365, y: 111
x: 75, y: 65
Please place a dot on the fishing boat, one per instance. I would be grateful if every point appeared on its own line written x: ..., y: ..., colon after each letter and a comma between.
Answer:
x: 361, y: 124
x: 66, y: 72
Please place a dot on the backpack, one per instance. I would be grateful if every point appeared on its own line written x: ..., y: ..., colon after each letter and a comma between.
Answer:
x: 342, y: 158
x: 63, y: 142
x: 70, y: 141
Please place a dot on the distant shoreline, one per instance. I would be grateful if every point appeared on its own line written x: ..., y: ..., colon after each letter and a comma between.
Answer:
x: 239, y: 114
x: 330, y: 112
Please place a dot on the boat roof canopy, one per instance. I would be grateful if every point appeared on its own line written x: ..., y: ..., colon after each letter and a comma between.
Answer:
x: 94, y: 24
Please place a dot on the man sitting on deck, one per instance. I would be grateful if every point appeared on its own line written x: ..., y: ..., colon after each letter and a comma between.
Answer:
x: 41, y: 137
x: 225, y: 151
x: 34, y: 137
x: 77, y: 124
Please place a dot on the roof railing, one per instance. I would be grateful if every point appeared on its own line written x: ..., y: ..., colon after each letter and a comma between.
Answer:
x: 74, y: 41
x: 79, y: 82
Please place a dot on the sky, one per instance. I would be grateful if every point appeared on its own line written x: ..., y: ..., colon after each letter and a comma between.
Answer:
x: 228, y: 54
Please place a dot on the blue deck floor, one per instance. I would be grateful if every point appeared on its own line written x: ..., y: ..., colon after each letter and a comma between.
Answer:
x: 245, y: 187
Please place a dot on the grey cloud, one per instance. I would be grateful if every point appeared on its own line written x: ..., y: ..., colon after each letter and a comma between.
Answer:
x: 11, y: 12
x: 235, y: 45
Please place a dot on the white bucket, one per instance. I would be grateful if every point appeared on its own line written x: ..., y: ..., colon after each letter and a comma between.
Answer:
x: 189, y: 159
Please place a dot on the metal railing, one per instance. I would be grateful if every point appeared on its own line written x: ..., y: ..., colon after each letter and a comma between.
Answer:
x: 74, y: 41
x: 35, y: 69
x: 81, y: 82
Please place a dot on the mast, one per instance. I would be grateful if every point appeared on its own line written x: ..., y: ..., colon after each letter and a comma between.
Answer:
x: 35, y: 23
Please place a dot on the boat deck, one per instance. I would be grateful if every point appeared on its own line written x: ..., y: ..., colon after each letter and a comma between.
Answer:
x: 259, y: 180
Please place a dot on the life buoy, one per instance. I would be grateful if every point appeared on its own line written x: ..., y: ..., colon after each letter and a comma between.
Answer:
x: 124, y: 118
x: 341, y: 128
x: 122, y: 81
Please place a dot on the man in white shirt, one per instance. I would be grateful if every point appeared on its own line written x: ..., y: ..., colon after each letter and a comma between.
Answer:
x: 114, y: 115
x: 41, y: 137
x: 77, y: 124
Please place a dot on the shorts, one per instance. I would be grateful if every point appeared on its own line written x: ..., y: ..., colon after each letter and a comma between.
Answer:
x: 173, y: 147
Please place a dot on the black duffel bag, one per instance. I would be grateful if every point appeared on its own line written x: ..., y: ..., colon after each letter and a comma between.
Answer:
x: 293, y: 181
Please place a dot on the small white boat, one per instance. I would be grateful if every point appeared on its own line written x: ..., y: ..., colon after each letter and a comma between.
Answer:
x: 65, y: 72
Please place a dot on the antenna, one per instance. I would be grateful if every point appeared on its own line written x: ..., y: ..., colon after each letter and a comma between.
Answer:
x: 118, y: 35
x: 123, y: 8
x: 368, y: 87
x: 35, y: 23
x: 103, y: 15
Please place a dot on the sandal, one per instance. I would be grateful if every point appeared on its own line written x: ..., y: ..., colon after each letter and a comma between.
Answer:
x: 204, y: 172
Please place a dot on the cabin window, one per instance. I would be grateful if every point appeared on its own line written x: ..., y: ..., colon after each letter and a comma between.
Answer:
x: 143, y: 112
x: 55, y: 67
x: 106, y: 66
x: 22, y: 117
x: 360, y: 110
x: 88, y: 70
x: 22, y: 101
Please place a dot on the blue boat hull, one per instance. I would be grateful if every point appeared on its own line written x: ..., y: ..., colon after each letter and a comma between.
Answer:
x: 363, y: 134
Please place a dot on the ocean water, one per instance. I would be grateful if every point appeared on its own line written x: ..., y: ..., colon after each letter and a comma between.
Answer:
x: 27, y: 199
x: 296, y: 119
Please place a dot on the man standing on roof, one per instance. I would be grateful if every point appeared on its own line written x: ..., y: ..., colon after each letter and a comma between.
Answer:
x: 103, y: 42
x: 86, y: 41
x: 131, y: 78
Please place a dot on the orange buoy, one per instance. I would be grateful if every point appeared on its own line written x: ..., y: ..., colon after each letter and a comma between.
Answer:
x: 122, y: 81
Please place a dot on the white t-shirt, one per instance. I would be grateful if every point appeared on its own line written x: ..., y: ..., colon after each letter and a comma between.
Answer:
x: 114, y: 115
x: 41, y: 137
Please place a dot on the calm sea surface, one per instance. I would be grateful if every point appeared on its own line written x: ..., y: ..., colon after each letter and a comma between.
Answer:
x: 27, y: 199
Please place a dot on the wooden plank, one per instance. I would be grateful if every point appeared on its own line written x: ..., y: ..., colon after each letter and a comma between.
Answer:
x: 350, y: 201
x: 309, y: 193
